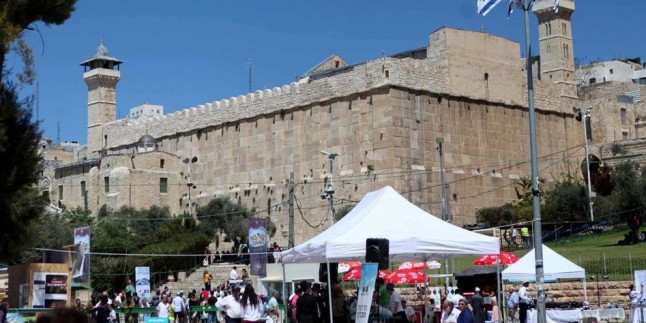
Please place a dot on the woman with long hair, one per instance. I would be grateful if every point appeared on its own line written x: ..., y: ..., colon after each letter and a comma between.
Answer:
x: 251, y: 304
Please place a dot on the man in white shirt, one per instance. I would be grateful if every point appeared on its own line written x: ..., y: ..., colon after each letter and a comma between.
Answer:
x: 163, y: 306
x: 272, y: 305
x: 524, y: 302
x: 233, y: 275
x: 180, y: 308
x: 395, y: 302
x: 231, y: 305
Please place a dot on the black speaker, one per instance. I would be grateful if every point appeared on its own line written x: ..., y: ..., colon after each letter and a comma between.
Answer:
x: 377, y: 251
x: 334, y: 269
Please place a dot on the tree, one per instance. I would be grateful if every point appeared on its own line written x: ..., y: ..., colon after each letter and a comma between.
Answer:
x: 227, y: 219
x: 19, y: 169
x: 628, y: 196
x: 19, y: 137
x: 567, y: 201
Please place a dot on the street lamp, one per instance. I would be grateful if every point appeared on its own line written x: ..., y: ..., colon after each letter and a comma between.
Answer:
x: 189, y: 184
x: 584, y: 115
x: 329, y: 190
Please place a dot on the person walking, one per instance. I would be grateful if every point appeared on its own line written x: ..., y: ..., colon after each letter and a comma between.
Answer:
x: 180, y: 308
x: 512, y: 304
x: 231, y: 306
x: 477, y: 303
x: 306, y: 306
x: 466, y: 316
x: 207, y: 278
x: 524, y: 302
x: 252, y: 306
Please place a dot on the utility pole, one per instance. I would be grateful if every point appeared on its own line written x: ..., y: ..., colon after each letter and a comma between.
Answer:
x: 536, y: 193
x: 329, y: 190
x: 445, y: 202
x: 189, y: 183
x: 290, y: 239
x: 584, y: 115
x: 250, y: 67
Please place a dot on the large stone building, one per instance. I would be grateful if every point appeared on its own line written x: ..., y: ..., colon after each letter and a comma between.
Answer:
x: 382, y: 117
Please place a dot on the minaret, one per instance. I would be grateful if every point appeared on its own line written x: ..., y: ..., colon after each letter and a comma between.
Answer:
x: 555, y: 39
x: 101, y: 76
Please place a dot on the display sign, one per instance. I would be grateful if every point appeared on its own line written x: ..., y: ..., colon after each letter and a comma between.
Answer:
x: 50, y: 290
x: 640, y: 280
x: 81, y: 263
x: 366, y: 290
x: 258, y: 247
x: 142, y: 284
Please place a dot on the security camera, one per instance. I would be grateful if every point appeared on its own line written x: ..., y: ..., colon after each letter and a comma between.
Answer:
x: 323, y: 196
x: 329, y: 190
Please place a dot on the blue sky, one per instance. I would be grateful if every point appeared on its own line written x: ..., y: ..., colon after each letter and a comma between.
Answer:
x: 183, y: 53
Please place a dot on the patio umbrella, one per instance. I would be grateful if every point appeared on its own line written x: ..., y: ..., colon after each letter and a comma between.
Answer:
x: 506, y: 258
x: 348, y: 265
x: 355, y: 274
x: 418, y: 265
x: 407, y: 277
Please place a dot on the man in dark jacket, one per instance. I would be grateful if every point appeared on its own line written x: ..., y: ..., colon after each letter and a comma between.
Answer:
x: 101, y: 312
x: 307, y: 307
x: 477, y: 303
x: 466, y: 316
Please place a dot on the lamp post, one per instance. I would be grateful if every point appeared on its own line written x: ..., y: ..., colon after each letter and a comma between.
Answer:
x: 329, y: 190
x: 584, y: 115
x: 189, y: 184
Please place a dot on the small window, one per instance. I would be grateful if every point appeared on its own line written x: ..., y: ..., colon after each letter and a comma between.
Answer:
x: 612, y: 71
x: 625, y: 135
x: 105, y: 141
x: 161, y: 163
x: 622, y: 112
x: 163, y: 185
x: 486, y: 80
x: 61, y: 196
x: 106, y: 184
x: 82, y: 188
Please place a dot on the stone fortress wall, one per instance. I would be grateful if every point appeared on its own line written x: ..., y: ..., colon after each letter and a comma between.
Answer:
x: 382, y: 117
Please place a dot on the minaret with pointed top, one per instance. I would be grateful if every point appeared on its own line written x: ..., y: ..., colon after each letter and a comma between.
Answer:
x: 555, y: 40
x: 101, y: 76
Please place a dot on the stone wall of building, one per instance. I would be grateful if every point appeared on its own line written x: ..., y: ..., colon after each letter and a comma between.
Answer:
x: 382, y: 117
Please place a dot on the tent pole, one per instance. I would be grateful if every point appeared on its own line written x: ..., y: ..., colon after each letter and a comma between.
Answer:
x: 585, y: 290
x: 285, y: 297
x: 329, y: 289
x: 497, y: 297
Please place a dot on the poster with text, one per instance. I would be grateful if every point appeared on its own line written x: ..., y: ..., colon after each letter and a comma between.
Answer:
x: 258, y: 247
x: 81, y: 261
x: 366, y: 290
x: 142, y: 282
x: 640, y: 279
x: 50, y: 290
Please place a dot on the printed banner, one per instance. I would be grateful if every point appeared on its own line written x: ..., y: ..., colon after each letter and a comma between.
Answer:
x: 81, y: 261
x: 258, y: 247
x: 366, y: 290
x: 640, y: 280
x: 50, y: 290
x: 142, y: 282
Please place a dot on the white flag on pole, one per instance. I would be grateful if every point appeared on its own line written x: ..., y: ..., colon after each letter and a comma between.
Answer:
x: 556, y: 5
x: 484, y: 6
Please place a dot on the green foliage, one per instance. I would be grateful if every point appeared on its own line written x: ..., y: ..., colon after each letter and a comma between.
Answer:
x: 496, y: 216
x: 225, y: 218
x: 567, y: 201
x: 19, y: 169
x: 345, y: 209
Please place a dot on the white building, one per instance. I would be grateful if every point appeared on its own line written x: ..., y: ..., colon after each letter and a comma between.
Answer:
x: 625, y: 71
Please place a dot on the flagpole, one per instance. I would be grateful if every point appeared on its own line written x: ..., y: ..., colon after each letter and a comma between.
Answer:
x: 536, y: 193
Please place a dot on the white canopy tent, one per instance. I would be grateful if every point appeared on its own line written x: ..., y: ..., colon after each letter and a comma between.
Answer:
x: 555, y: 267
x: 413, y: 234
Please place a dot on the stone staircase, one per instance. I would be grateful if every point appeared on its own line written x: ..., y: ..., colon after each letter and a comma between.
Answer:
x: 186, y: 283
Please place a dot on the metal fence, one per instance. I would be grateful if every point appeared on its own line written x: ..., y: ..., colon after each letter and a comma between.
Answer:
x: 611, y: 268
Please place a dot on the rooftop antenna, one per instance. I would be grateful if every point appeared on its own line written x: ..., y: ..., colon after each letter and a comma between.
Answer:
x: 250, y: 67
x: 37, y: 102
x: 58, y: 132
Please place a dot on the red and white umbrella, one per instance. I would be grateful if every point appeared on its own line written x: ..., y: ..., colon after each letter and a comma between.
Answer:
x: 348, y: 265
x: 506, y: 258
x: 408, y: 277
x: 355, y: 274
x: 418, y: 265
